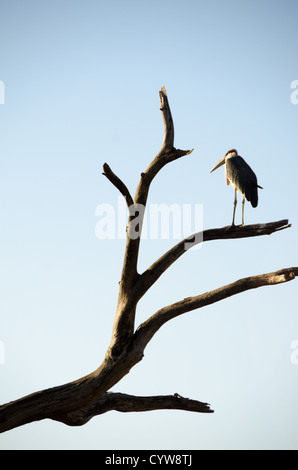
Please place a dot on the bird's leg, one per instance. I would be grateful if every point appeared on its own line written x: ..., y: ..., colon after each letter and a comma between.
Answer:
x: 234, y: 211
x: 243, y: 201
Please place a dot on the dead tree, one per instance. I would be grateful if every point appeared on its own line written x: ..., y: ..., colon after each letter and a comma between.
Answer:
x: 77, y: 402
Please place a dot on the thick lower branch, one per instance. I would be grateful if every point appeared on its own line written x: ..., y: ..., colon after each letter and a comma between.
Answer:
x: 61, y: 400
x: 76, y: 402
x: 130, y: 403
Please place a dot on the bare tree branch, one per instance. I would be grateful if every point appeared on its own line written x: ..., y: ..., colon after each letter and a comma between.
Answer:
x: 118, y: 184
x: 148, y: 329
x: 151, y: 275
x: 168, y: 141
x: 131, y: 403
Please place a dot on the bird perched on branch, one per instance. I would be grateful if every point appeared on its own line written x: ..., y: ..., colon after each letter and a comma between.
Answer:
x: 241, y: 177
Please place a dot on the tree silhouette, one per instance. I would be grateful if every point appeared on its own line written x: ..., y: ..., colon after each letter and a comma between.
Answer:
x: 77, y: 402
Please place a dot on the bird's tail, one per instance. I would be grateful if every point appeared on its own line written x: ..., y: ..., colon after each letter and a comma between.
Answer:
x: 252, y: 194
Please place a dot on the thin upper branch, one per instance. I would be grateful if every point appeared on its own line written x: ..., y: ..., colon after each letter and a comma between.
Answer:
x: 147, y: 329
x: 166, y: 155
x: 116, y: 181
x: 151, y: 275
x: 130, y: 403
x: 168, y: 141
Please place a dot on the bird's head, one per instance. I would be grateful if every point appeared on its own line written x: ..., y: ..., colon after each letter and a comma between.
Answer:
x: 230, y: 153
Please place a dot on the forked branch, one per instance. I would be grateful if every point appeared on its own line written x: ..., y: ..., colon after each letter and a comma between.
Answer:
x: 130, y: 403
x: 128, y: 297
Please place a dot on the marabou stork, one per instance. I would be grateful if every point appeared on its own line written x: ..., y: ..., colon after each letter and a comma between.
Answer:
x: 241, y: 177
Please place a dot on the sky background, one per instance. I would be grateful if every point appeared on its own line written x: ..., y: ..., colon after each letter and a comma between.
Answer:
x: 81, y: 88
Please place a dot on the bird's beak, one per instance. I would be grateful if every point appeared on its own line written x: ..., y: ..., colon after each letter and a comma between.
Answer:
x: 220, y: 163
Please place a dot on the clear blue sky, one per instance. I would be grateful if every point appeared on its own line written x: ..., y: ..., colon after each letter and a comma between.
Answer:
x: 81, y: 88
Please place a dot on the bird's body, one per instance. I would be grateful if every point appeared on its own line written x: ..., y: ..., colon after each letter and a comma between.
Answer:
x: 241, y: 177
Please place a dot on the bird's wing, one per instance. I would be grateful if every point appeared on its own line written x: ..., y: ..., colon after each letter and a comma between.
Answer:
x: 243, y: 178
